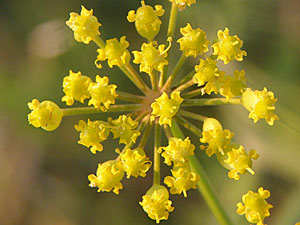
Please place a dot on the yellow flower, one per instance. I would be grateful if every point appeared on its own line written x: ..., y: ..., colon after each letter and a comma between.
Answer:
x: 166, y: 108
x: 123, y: 128
x: 193, y: 42
x: 152, y: 57
x: 178, y: 151
x: 108, y: 176
x: 297, y: 223
x: 102, y: 93
x: 215, y: 136
x: 75, y: 88
x: 91, y: 134
x: 46, y: 114
x: 256, y: 207
x: 156, y: 203
x: 146, y: 20
x: 181, y: 4
x: 237, y: 160
x: 85, y: 25
x: 182, y: 180
x: 260, y: 104
x: 114, y: 52
x: 234, y: 86
x: 135, y: 162
x: 209, y: 74
x: 228, y: 48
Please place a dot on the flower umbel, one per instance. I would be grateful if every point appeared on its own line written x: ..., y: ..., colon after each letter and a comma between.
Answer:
x: 156, y: 203
x: 102, y: 93
x: 75, y: 88
x: 228, y: 48
x: 193, y: 42
x: 166, y: 107
x: 215, y: 136
x: 85, y: 25
x: 92, y: 134
x: 146, y: 20
x: 260, y: 104
x: 178, y: 151
x: 162, y: 106
x: 45, y: 114
x: 182, y: 180
x: 152, y: 57
x: 115, y: 52
x: 255, y: 206
x: 209, y: 74
x: 108, y: 176
x: 135, y: 162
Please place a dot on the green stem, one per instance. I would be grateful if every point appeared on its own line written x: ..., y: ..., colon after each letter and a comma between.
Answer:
x: 192, y: 115
x: 99, y: 41
x: 145, y: 136
x: 171, y: 31
x: 153, y: 78
x: 204, y: 185
x: 186, y: 78
x: 193, y: 93
x: 156, y: 166
x: 186, y: 124
x: 185, y: 85
x: 168, y: 132
x: 139, y: 81
x: 211, y: 102
x: 174, y: 72
x: 136, y: 81
x: 91, y: 110
x: 172, y: 20
x: 129, y: 97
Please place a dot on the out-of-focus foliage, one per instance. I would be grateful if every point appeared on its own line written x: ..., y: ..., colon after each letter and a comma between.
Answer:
x: 43, y: 176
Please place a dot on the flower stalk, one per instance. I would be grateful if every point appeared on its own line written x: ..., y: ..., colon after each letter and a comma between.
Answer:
x: 204, y: 185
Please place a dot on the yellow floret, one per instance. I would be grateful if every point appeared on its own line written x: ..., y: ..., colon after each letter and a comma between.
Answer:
x: 102, y: 93
x: 91, y: 134
x: 178, y: 151
x: 75, y: 87
x: 237, y: 160
x: 255, y: 207
x: 108, y: 176
x: 152, y: 57
x: 135, y: 162
x: 209, y: 74
x: 85, y: 25
x: 123, y: 128
x: 146, y: 20
x: 114, y: 52
x: 260, y: 104
x: 215, y: 136
x: 46, y: 114
x: 193, y: 42
x: 166, y: 108
x: 234, y: 86
x: 156, y: 203
x: 182, y: 180
x: 181, y: 4
x: 228, y: 48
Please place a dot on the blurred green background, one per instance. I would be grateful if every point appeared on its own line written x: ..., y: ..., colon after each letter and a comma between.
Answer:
x: 43, y: 179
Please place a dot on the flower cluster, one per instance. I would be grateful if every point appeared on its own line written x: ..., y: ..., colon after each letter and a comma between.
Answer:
x: 255, y: 206
x: 161, y: 106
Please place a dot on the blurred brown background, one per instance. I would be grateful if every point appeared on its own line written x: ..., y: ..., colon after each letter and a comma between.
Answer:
x: 43, y: 179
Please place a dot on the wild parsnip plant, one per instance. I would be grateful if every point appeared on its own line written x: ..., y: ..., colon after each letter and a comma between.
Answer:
x: 162, y: 107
